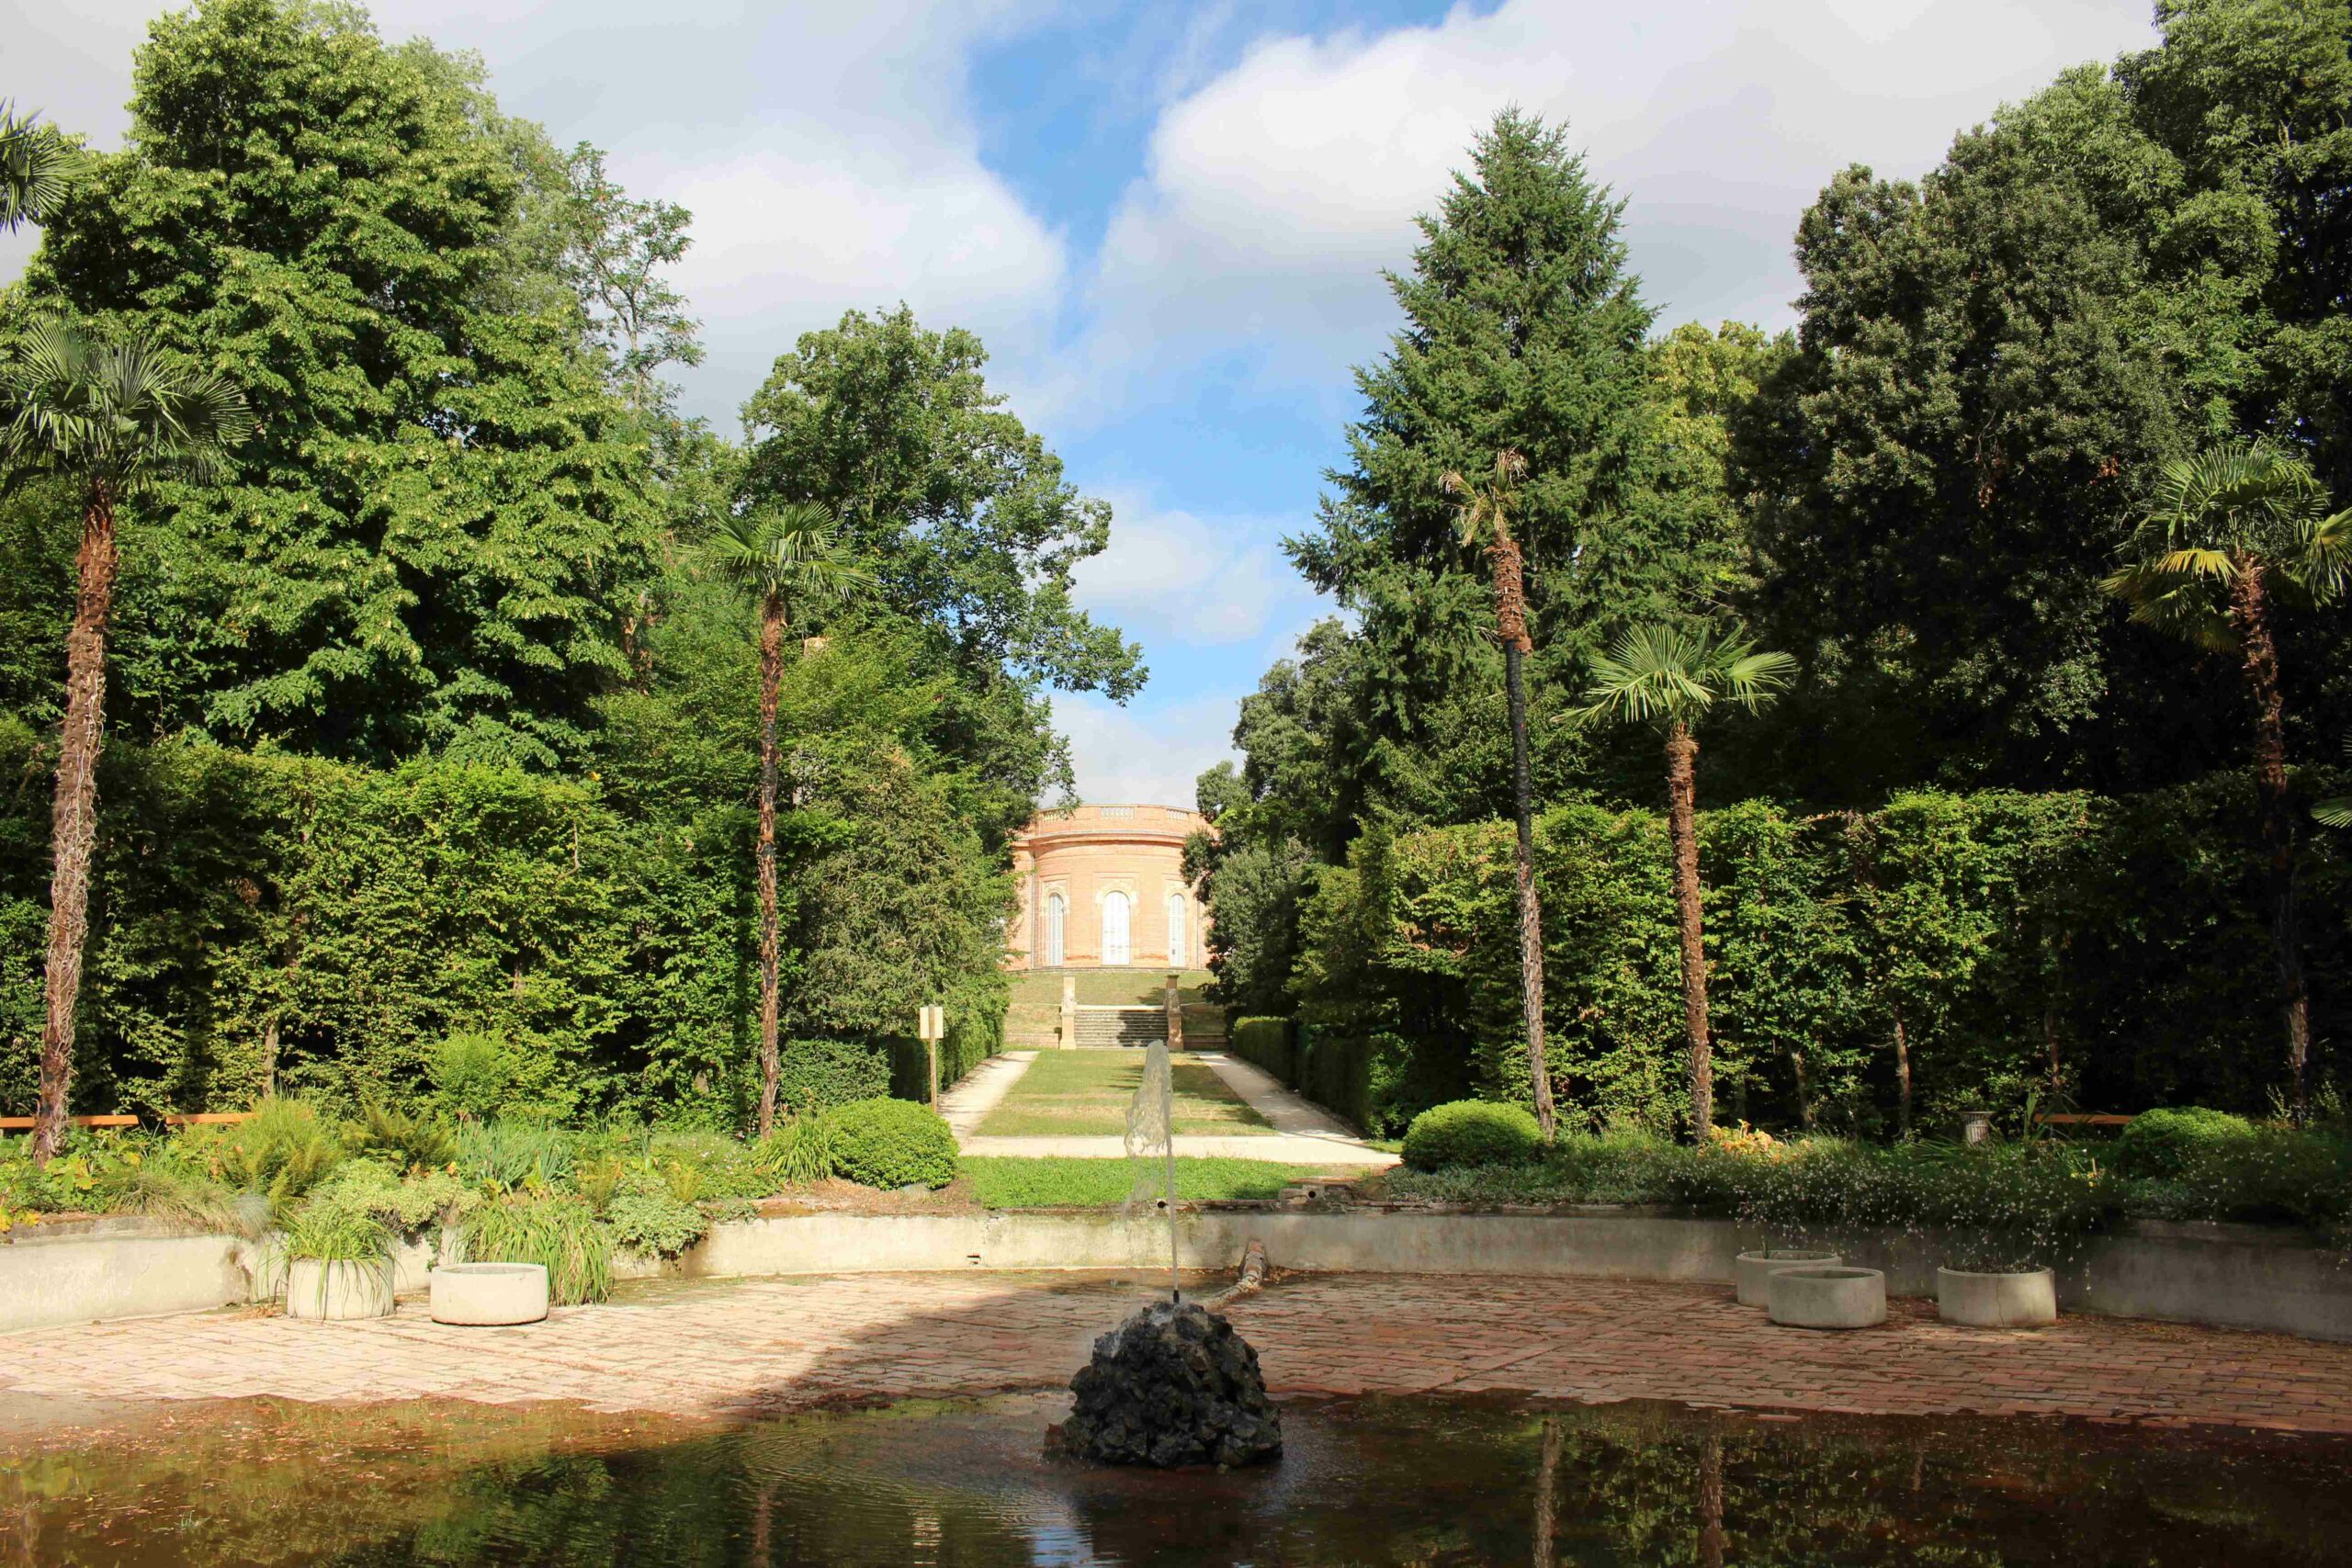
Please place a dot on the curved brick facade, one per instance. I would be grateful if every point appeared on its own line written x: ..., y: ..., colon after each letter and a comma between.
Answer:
x: 1104, y: 863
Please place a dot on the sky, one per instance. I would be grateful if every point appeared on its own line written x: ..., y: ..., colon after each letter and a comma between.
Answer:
x: 1169, y: 221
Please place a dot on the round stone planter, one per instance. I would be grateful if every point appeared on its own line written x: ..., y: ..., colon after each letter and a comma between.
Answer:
x: 1750, y: 1270
x: 490, y: 1295
x: 337, y: 1291
x: 1811, y: 1296
x: 2024, y: 1300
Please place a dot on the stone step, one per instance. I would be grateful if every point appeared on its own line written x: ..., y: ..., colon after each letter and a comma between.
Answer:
x: 1105, y: 1026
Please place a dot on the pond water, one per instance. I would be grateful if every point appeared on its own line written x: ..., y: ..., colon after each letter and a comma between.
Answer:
x: 1375, y: 1480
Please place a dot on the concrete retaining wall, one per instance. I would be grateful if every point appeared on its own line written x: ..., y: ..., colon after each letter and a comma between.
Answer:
x: 2231, y: 1276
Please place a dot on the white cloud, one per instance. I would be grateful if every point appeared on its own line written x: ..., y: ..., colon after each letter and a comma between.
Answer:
x: 1145, y: 757
x: 1274, y: 193
x: 1172, y: 578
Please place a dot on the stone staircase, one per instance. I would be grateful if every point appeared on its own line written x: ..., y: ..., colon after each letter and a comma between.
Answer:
x: 1108, y: 1026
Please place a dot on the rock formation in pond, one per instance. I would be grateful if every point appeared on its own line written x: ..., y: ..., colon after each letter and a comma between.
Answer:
x: 1172, y: 1385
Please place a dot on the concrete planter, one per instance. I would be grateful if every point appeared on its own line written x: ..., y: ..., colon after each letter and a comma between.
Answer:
x: 338, y: 1291
x: 2024, y: 1299
x: 1751, y: 1271
x: 490, y: 1295
x: 1815, y: 1297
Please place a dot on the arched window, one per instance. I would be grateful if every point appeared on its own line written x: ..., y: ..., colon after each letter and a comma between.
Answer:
x: 1115, y: 928
x: 1056, y: 907
x: 1178, y: 951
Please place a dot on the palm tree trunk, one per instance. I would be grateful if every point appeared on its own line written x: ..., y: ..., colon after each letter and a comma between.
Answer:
x: 1681, y: 813
x: 2249, y: 610
x: 771, y: 679
x: 1511, y: 621
x: 1902, y: 1075
x: 73, y: 820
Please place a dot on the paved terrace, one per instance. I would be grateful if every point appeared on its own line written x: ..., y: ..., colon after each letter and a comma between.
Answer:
x: 711, y: 1347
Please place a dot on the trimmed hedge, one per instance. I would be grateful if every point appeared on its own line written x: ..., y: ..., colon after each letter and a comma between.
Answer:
x: 891, y: 1143
x: 1471, y: 1133
x: 1268, y: 1043
x: 826, y: 1073
x: 2162, y: 1142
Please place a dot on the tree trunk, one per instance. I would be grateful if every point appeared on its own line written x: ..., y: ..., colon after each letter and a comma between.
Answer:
x: 1681, y: 813
x: 770, y: 677
x: 74, y: 816
x: 1901, y: 1077
x: 2249, y: 610
x: 1712, y: 1539
x: 1511, y: 621
x: 1547, y: 1495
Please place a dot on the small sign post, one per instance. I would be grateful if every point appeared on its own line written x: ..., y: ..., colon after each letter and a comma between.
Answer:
x: 930, y: 1026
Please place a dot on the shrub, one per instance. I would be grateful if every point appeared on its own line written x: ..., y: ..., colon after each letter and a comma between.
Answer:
x: 406, y: 1205
x: 646, y: 1217
x: 332, y: 1233
x: 826, y: 1073
x: 562, y: 1234
x: 515, y: 1155
x: 1267, y: 1042
x: 799, y: 1153
x: 474, y: 1074
x: 699, y: 1166
x: 284, y: 1151
x: 2160, y: 1144
x: 407, y: 1141
x: 892, y: 1143
x: 1471, y: 1132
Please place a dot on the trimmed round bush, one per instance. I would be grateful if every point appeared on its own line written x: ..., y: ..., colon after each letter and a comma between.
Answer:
x: 1471, y: 1132
x: 891, y: 1143
x: 2161, y: 1143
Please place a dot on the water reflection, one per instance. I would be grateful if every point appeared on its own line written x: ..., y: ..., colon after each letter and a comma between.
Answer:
x: 1375, y: 1480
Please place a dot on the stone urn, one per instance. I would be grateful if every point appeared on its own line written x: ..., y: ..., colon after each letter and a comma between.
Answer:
x: 2024, y: 1298
x: 490, y: 1295
x: 1812, y: 1296
x: 337, y: 1290
x: 1172, y: 1385
x: 1749, y: 1270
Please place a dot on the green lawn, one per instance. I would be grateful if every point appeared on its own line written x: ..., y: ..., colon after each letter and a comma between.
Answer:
x: 1085, y: 1094
x: 1059, y: 1183
x: 1107, y: 988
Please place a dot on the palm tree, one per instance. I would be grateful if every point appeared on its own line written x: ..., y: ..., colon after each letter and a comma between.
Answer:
x: 119, y: 418
x: 2231, y: 530
x: 1672, y: 678
x: 37, y: 165
x: 790, y: 559
x: 1485, y: 520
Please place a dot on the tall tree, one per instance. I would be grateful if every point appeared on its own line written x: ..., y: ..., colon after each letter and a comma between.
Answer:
x: 792, y: 562
x: 1485, y: 522
x: 617, y: 252
x: 426, y: 544
x: 119, y: 418
x: 1673, y: 679
x: 2232, y: 532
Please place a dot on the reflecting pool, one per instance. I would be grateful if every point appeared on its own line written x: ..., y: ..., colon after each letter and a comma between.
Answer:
x: 1371, y: 1480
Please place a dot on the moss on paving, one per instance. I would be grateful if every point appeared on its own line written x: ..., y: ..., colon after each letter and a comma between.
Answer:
x: 1085, y: 1094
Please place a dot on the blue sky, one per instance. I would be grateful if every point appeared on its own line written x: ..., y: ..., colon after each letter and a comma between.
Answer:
x: 1168, y: 221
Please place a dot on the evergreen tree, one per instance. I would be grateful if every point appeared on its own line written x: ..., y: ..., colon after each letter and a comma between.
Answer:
x: 425, y: 543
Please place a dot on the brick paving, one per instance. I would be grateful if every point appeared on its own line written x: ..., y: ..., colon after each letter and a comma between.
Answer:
x: 716, y: 1347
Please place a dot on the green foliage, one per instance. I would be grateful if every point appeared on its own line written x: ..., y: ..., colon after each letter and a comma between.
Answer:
x: 371, y: 581
x: 891, y: 1143
x: 2160, y: 1142
x: 405, y: 1205
x: 332, y: 1233
x: 826, y: 1073
x: 407, y: 1142
x: 2121, y: 939
x: 646, y: 1215
x: 799, y: 1153
x: 474, y: 1074
x: 1265, y: 1041
x: 558, y: 1233
x: 514, y: 1156
x: 1470, y: 1133
x: 284, y: 1150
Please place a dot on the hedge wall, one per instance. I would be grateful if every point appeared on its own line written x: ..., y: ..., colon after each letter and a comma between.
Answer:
x: 1267, y: 1042
x: 2123, y: 941
x: 263, y: 921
